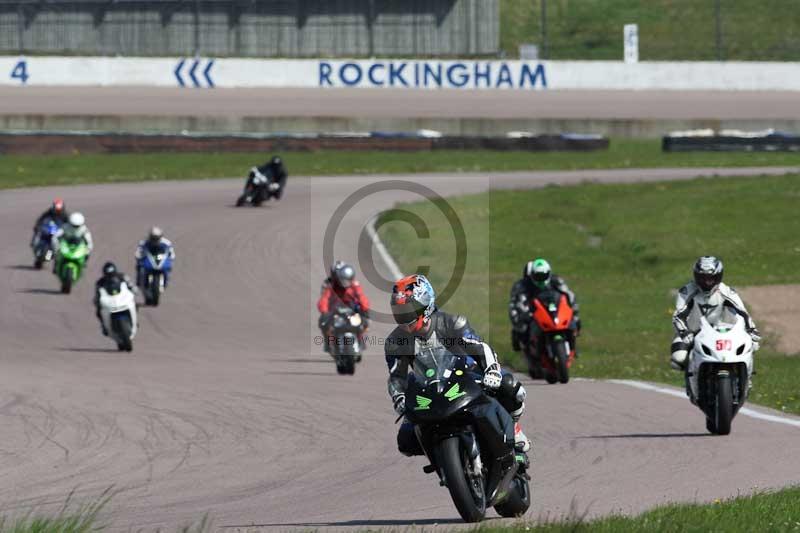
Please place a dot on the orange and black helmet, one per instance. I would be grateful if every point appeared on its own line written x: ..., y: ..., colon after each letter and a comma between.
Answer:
x: 413, y: 302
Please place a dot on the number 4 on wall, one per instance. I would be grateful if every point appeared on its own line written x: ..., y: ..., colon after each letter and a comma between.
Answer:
x: 20, y: 72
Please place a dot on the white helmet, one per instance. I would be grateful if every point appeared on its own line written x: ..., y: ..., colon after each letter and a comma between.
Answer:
x: 77, y: 219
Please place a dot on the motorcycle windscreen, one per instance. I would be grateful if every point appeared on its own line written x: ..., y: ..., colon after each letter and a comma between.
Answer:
x: 723, y: 318
x: 433, y: 364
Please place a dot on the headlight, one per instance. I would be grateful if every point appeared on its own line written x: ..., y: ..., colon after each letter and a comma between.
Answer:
x: 355, y: 320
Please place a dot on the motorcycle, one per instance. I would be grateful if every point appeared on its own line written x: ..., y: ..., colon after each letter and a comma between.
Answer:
x: 345, y: 343
x: 155, y: 266
x: 719, y: 370
x: 259, y: 189
x: 463, y: 432
x: 43, y: 244
x: 118, y: 312
x: 70, y: 260
x: 549, y: 352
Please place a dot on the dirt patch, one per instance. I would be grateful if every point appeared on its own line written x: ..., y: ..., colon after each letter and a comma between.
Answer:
x: 776, y: 309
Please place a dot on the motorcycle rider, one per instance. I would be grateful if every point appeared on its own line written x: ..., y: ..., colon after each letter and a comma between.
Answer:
x: 421, y: 325
x: 273, y: 170
x: 56, y: 212
x: 341, y: 288
x: 705, y: 296
x: 74, y: 230
x: 110, y: 274
x: 537, y: 276
x: 155, y: 243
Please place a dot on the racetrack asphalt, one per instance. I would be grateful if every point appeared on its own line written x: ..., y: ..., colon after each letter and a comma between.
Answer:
x: 403, y: 103
x: 226, y: 406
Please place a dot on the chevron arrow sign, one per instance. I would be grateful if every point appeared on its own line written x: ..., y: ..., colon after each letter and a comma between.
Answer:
x: 192, y: 73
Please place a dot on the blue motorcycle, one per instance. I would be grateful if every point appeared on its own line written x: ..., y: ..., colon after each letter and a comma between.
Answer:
x: 156, y: 268
x: 43, y: 243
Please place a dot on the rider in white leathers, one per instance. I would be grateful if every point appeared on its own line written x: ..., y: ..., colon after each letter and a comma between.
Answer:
x: 705, y: 296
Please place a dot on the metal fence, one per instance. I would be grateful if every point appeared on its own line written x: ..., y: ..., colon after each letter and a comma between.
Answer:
x: 669, y: 30
x: 250, y: 28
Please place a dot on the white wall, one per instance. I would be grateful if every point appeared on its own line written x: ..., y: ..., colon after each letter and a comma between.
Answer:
x: 400, y: 73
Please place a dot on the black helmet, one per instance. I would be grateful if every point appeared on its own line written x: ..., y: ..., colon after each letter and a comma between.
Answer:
x: 109, y: 269
x: 342, y: 274
x: 276, y: 161
x: 708, y: 273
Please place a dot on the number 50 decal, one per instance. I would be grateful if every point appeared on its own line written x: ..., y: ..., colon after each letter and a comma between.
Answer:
x: 20, y: 72
x: 724, y: 344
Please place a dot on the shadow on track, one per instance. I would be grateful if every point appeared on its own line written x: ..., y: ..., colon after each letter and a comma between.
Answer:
x: 361, y: 523
x: 325, y: 374
x: 89, y: 350
x: 646, y: 436
x: 39, y: 291
x: 321, y: 360
x: 20, y: 267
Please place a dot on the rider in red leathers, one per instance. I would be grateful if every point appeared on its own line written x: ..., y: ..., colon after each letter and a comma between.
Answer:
x: 341, y: 288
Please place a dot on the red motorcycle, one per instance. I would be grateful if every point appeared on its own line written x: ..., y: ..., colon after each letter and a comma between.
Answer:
x: 549, y: 352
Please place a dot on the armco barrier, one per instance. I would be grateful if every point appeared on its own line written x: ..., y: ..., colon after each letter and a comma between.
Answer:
x: 208, y: 73
x: 105, y: 142
x: 730, y: 141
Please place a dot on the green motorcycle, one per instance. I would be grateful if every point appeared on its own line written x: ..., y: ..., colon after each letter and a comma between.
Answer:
x: 70, y: 261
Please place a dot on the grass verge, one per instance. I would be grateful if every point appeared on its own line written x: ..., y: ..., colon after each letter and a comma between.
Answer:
x: 623, y: 249
x: 669, y: 30
x: 29, y: 171
x: 70, y: 519
x: 769, y: 511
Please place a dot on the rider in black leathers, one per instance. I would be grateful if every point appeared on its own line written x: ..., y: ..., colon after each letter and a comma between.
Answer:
x: 274, y: 170
x: 56, y: 212
x: 422, y: 326
x: 537, y: 277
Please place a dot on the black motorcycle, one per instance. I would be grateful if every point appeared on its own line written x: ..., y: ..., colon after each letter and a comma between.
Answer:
x: 467, y: 436
x: 259, y: 189
x: 347, y: 326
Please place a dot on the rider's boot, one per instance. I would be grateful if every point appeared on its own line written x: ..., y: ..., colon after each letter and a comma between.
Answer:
x: 521, y: 442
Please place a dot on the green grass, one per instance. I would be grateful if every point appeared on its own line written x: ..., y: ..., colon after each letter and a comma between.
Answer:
x: 622, y: 248
x: 768, y: 511
x: 72, y: 518
x: 27, y: 171
x: 669, y: 30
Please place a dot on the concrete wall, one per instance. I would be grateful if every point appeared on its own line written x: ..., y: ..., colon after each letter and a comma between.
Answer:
x: 207, y: 72
x: 275, y: 28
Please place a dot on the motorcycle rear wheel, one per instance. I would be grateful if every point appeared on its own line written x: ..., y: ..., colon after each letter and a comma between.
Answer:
x: 518, y: 499
x: 453, y: 461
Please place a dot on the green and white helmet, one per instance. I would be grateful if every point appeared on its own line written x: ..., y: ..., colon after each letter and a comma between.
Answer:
x: 539, y: 272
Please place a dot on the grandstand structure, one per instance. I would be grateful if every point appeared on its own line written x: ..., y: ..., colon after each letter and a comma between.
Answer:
x: 252, y: 28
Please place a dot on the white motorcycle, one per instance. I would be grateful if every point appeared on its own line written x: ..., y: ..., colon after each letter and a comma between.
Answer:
x: 719, y: 370
x: 118, y: 312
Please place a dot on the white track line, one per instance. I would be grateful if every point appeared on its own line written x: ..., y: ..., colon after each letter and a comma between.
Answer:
x: 746, y: 411
x: 388, y: 260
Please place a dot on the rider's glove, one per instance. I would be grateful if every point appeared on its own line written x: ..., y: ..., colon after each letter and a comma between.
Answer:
x: 400, y: 404
x: 687, y: 337
x: 492, y: 377
x: 756, y: 337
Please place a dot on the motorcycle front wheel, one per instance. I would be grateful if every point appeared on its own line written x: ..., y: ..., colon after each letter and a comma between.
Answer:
x: 467, y: 492
x: 724, y: 404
